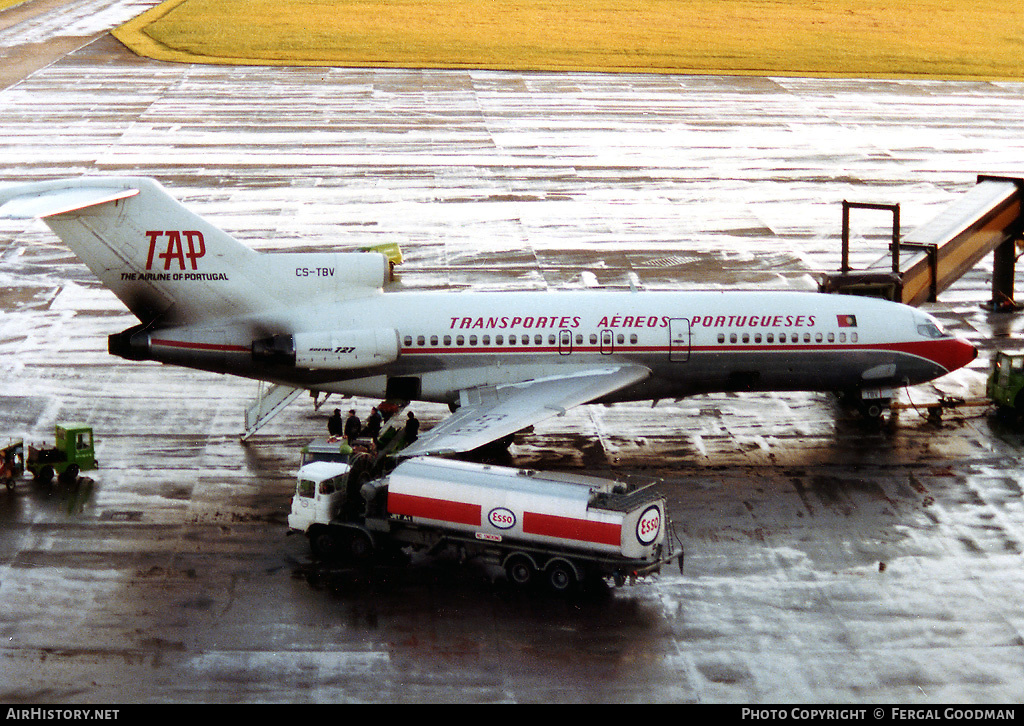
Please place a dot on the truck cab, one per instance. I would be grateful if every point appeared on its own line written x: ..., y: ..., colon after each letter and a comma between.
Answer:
x: 320, y: 494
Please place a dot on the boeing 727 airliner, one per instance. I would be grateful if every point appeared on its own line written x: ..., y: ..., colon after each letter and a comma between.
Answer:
x: 324, y: 322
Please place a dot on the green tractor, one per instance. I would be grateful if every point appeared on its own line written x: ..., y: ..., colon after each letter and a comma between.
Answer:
x: 1005, y: 382
x: 74, y: 453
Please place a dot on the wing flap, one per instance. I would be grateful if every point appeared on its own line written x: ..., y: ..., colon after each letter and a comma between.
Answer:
x: 33, y: 203
x: 491, y: 412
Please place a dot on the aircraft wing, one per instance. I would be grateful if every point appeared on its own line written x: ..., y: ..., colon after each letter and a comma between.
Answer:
x: 488, y: 413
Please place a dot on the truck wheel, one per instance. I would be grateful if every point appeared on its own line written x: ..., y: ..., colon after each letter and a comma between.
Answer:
x: 324, y: 544
x: 45, y: 475
x: 520, y: 570
x: 360, y: 547
x: 561, y: 577
x: 70, y: 475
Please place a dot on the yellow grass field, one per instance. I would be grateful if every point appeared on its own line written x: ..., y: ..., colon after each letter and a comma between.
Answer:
x: 947, y: 39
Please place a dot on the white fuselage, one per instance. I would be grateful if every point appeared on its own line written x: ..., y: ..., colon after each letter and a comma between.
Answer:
x: 692, y: 342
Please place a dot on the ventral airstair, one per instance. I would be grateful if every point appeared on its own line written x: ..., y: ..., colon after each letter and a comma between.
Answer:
x: 923, y: 263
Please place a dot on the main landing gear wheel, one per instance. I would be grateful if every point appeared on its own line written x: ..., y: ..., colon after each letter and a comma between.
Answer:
x: 874, y: 408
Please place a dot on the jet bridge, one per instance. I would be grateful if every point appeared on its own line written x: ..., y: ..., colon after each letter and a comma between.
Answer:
x: 923, y: 263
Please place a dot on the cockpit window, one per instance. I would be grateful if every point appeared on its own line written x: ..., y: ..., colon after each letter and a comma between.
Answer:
x: 930, y: 330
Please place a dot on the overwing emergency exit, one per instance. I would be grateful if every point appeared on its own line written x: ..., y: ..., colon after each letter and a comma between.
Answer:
x: 323, y: 322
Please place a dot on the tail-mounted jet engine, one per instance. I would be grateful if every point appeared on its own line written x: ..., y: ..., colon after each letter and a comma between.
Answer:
x: 339, y: 350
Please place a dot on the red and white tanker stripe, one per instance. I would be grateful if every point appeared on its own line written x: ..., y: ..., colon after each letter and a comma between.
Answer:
x: 583, y: 530
x: 441, y: 510
x: 544, y: 525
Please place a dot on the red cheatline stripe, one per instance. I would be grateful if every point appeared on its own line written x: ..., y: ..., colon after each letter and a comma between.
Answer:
x: 439, y: 509
x: 937, y: 351
x: 549, y: 525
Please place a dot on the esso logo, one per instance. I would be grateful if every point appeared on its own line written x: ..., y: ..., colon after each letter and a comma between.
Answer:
x: 649, y: 525
x: 502, y: 518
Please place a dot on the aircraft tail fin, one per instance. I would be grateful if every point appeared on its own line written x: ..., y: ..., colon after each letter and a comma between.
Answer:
x: 169, y: 264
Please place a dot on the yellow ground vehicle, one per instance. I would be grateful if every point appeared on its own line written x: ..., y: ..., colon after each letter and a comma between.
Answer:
x: 12, y: 462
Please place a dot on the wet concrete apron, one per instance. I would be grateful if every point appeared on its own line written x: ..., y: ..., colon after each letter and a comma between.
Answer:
x: 827, y: 559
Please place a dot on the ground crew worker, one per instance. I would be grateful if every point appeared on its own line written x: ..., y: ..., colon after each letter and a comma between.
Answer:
x: 373, y: 424
x: 334, y: 425
x: 412, y: 428
x: 352, y: 426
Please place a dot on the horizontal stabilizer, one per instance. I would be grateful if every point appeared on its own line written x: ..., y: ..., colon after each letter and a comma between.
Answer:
x: 44, y: 204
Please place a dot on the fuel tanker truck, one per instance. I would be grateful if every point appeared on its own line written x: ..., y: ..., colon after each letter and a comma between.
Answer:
x: 561, y: 529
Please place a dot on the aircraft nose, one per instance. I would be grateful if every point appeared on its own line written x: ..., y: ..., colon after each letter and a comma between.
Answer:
x: 956, y: 353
